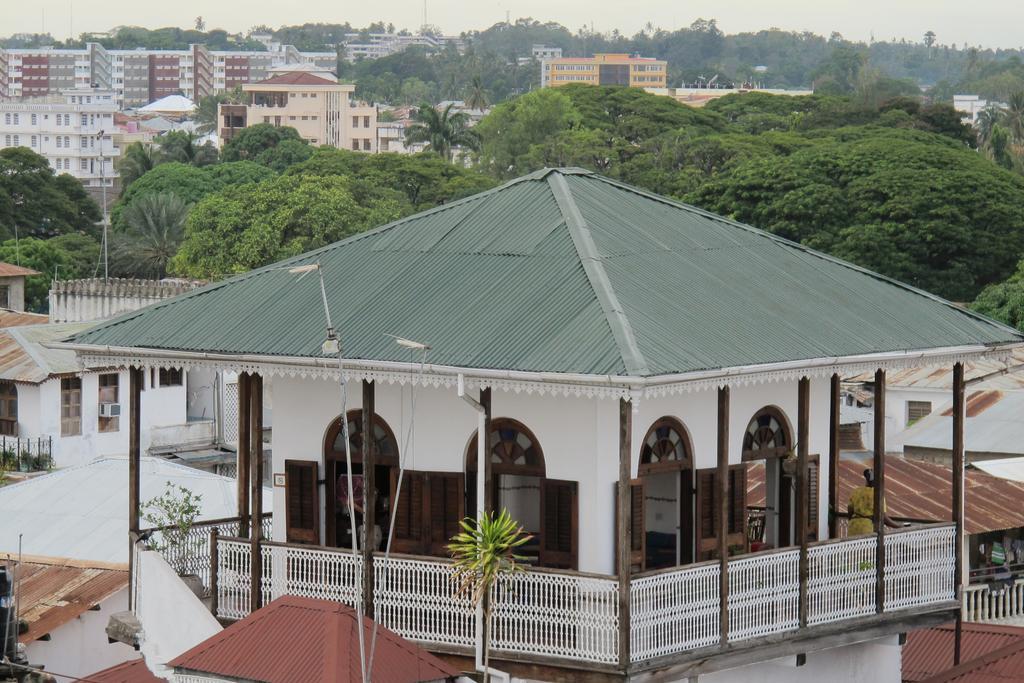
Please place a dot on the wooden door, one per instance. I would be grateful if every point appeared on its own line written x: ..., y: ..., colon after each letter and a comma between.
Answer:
x: 559, y: 524
x: 302, y: 501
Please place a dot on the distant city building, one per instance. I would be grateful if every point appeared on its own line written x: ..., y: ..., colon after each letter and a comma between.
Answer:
x: 73, y: 131
x: 321, y: 110
x: 605, y: 69
x: 970, y: 106
x: 141, y: 76
x: 542, y: 52
x: 377, y: 45
x: 698, y: 97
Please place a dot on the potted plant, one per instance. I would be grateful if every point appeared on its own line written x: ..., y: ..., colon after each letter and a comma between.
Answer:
x: 483, y: 551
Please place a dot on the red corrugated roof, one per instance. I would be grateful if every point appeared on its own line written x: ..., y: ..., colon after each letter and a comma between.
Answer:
x: 297, y: 78
x: 11, y: 270
x: 929, y: 652
x: 302, y: 639
x: 923, y: 491
x: 989, y: 653
x: 134, y: 671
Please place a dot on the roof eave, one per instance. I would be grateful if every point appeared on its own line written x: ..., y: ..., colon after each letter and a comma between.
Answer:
x: 625, y: 386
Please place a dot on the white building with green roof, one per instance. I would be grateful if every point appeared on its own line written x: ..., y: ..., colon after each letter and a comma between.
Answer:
x: 627, y: 357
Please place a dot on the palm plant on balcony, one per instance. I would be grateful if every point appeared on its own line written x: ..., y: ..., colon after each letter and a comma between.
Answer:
x: 484, y: 551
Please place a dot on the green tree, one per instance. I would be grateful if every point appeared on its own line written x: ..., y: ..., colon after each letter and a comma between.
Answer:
x: 40, y: 255
x: 153, y: 229
x: 1014, y: 117
x: 246, y: 226
x: 138, y: 160
x: 250, y: 142
x: 83, y: 255
x: 443, y: 131
x: 206, y: 109
x: 476, y: 96
x: 512, y: 128
x: 484, y: 551
x: 180, y: 146
x: 1004, y: 301
x: 35, y: 202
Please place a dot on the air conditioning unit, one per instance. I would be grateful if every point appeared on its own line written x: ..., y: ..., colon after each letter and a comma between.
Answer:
x: 110, y: 410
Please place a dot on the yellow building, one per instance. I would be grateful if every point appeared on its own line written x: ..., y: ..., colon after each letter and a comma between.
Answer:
x: 605, y: 69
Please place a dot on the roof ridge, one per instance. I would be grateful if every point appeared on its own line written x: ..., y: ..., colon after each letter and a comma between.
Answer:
x: 970, y: 665
x: 587, y: 251
x: 801, y: 247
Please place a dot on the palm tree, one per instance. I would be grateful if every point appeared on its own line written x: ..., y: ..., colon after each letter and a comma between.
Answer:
x: 986, y: 121
x: 442, y: 130
x: 137, y: 160
x: 154, y: 227
x: 476, y: 98
x: 483, y: 551
x: 1014, y: 117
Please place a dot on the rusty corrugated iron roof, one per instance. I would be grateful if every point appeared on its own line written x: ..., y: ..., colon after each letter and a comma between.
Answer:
x: 922, y: 491
x: 9, y: 318
x: 314, y: 641
x: 930, y: 377
x: 929, y: 652
x: 134, y: 671
x: 53, y: 591
x: 24, y: 358
x: 11, y: 270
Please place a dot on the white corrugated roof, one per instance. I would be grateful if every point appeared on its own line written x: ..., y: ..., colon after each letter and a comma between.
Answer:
x: 993, y: 427
x: 172, y: 103
x: 1004, y: 468
x: 82, y: 512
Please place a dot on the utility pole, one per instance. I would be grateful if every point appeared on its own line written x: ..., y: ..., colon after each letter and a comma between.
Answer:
x: 103, y: 191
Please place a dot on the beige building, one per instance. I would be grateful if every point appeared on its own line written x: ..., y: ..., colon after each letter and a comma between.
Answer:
x: 605, y: 69
x: 321, y: 110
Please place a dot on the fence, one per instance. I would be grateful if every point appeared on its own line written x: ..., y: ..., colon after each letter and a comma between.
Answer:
x: 26, y: 455
x: 841, y: 580
x: 188, y: 551
x: 312, y: 572
x: 420, y: 599
x: 674, y: 611
x: 993, y: 602
x: 764, y: 594
x: 234, y: 578
x: 919, y: 566
x: 558, y: 615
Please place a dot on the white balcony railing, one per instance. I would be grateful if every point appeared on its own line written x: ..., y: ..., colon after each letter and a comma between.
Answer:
x: 764, y: 594
x: 983, y: 602
x: 574, y: 616
x: 674, y: 610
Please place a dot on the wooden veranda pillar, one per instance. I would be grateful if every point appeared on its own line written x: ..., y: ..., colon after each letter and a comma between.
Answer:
x: 879, y: 477
x: 135, y: 380
x: 243, y: 461
x: 802, y: 521
x: 624, y: 532
x: 369, y: 493
x: 722, y: 500
x: 958, y: 499
x: 833, y: 457
x: 485, y: 401
x: 256, y: 485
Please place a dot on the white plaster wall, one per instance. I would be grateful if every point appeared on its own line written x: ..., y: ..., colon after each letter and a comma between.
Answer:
x: 877, y: 661
x: 29, y: 410
x: 579, y: 437
x: 201, y: 385
x: 896, y: 411
x: 79, y: 647
x: 173, y: 619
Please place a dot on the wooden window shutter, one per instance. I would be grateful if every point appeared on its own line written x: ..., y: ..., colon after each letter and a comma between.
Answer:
x: 707, y: 514
x: 447, y: 508
x: 813, y: 491
x: 302, y: 501
x: 558, y: 511
x: 738, y: 506
x: 410, y: 513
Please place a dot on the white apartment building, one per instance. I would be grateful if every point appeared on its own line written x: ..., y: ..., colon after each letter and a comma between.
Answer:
x: 72, y: 131
x: 377, y: 45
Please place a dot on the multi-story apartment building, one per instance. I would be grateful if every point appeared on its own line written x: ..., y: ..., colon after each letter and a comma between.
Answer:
x: 72, y: 131
x: 376, y: 45
x: 320, y: 109
x: 140, y: 76
x: 605, y: 69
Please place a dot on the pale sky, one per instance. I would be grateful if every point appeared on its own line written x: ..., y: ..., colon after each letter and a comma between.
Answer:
x: 997, y: 24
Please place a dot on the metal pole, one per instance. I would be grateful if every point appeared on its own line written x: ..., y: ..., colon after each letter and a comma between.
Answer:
x: 103, y: 191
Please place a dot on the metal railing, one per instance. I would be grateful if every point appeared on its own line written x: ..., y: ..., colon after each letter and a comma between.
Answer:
x: 674, y: 610
x: 19, y: 454
x: 188, y: 551
x: 575, y: 617
x: 764, y: 593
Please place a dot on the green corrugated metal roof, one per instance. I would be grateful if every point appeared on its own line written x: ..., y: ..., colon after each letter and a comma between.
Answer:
x: 562, y: 271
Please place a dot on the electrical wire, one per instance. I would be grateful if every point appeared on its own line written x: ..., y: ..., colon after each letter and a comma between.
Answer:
x: 398, y: 486
x: 37, y: 670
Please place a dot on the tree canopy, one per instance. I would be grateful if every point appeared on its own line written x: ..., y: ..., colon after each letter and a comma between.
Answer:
x: 36, y: 202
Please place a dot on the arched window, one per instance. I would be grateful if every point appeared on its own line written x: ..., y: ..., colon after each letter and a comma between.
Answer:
x: 514, y: 450
x: 666, y: 447
x: 768, y: 435
x: 384, y: 439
